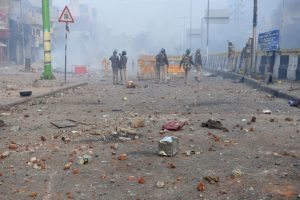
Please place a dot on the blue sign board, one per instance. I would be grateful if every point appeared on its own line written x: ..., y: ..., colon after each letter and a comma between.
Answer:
x: 269, y: 41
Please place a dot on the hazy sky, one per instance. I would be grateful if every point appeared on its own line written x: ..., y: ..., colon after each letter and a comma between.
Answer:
x: 164, y: 19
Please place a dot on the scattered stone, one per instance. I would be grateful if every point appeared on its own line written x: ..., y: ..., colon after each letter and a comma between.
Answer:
x: 112, y: 180
x: 289, y: 119
x: 85, y: 159
x: 33, y: 194
x: 189, y: 153
x: 212, y: 179
x: 65, y: 139
x: 43, y: 138
x: 11, y: 87
x: 15, y: 128
x: 141, y: 180
x: 201, y: 186
x: 160, y: 184
x: 223, y: 192
x: 67, y: 166
x: 33, y: 159
x: 268, y: 112
x: 2, y: 123
x: 75, y: 171
x: 168, y: 146
x: 272, y: 120
x: 131, y: 84
x: 12, y: 146
x: 138, y: 123
x: 131, y: 178
x: 114, y: 146
x: 171, y: 165
x: 126, y: 130
x: 253, y: 119
x: 192, y: 129
x: 236, y: 173
x: 122, y: 157
x: 4, y: 154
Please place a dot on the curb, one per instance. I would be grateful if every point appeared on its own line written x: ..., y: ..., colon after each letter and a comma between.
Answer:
x: 7, y: 106
x: 257, y: 85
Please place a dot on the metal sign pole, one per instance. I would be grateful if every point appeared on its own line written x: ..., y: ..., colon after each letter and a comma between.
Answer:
x: 66, y: 46
x: 207, y: 34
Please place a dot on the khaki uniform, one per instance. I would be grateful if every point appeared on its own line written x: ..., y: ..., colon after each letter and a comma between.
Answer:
x: 123, y: 71
x: 246, y: 59
x: 230, y: 62
x: 198, y: 65
x: 186, y: 62
x: 163, y: 67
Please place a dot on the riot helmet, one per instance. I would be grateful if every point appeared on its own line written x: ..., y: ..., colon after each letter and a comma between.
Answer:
x: 188, y: 51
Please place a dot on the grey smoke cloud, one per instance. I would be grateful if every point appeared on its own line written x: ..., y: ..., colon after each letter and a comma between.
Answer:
x: 145, y: 26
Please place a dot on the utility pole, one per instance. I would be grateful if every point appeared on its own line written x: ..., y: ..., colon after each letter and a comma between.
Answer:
x: 281, y: 25
x: 191, y: 12
x: 47, y: 41
x: 253, y: 49
x: 207, y: 33
x: 23, y: 33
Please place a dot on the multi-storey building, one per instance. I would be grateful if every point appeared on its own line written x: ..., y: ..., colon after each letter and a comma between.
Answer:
x: 4, y: 30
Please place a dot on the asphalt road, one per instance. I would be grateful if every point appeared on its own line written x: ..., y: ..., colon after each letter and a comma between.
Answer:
x: 253, y: 160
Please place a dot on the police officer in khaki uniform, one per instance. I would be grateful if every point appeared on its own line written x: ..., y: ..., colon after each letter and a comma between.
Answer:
x: 198, y: 64
x: 123, y: 63
x: 186, y: 62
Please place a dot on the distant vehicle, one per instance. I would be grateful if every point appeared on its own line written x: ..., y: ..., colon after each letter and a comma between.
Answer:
x: 146, y: 67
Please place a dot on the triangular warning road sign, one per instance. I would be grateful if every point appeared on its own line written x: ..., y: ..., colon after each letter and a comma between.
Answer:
x: 66, y: 16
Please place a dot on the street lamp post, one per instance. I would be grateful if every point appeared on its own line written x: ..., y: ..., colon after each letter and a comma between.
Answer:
x: 253, y: 49
x: 190, y: 33
x: 207, y: 33
x: 22, y: 31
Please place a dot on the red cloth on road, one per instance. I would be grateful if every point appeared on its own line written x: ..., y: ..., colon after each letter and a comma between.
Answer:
x: 174, y: 125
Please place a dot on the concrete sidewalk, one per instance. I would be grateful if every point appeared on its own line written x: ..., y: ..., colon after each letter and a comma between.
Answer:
x: 280, y: 88
x: 14, y: 79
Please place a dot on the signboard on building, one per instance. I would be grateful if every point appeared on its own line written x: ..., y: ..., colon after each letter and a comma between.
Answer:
x: 269, y: 41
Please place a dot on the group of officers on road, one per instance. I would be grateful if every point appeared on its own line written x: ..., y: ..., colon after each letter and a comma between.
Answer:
x: 187, y: 61
x: 118, y: 64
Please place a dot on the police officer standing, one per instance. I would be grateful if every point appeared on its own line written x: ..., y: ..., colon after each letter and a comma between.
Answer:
x: 186, y: 62
x: 245, y: 58
x: 157, y: 69
x: 163, y: 65
x: 123, y: 63
x: 115, y: 62
x: 198, y: 64
x: 230, y: 62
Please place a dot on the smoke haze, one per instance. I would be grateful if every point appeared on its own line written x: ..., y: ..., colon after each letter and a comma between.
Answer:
x: 146, y: 26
